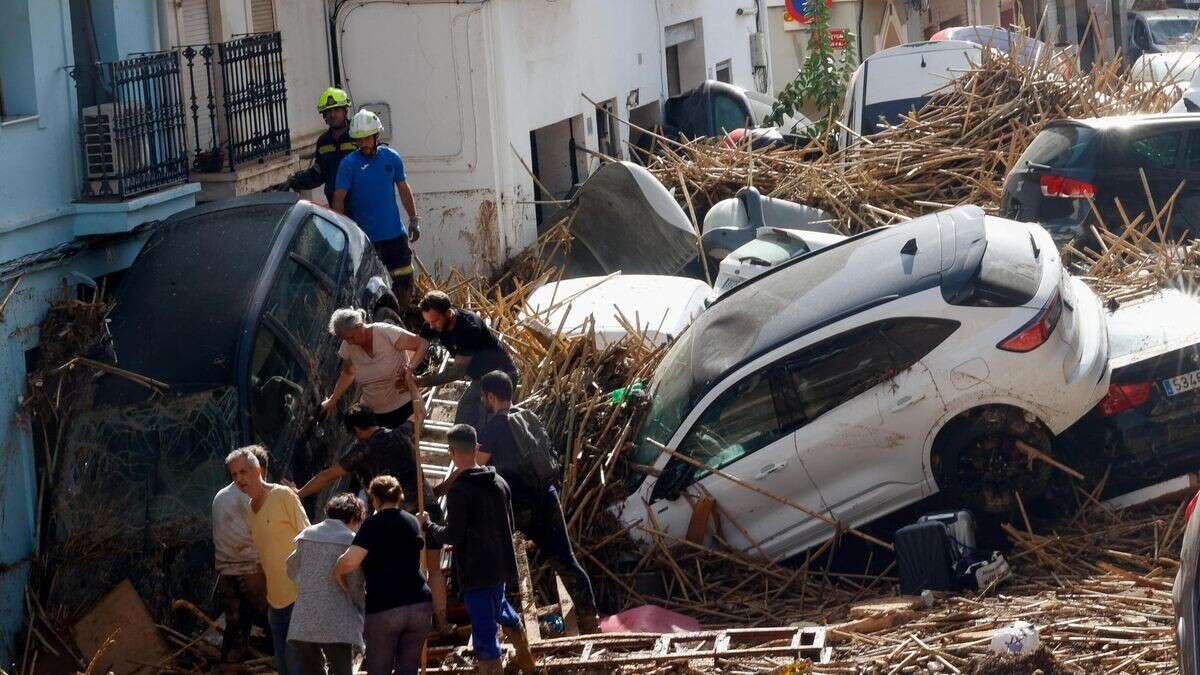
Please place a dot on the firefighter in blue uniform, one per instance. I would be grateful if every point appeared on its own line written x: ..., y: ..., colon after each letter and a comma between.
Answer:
x: 367, y: 184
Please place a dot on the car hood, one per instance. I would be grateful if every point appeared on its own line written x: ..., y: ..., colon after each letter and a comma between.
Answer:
x: 1152, y: 326
x: 660, y: 307
x: 623, y: 219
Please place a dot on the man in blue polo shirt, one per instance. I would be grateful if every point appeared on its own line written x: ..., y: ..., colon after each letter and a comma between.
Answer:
x: 367, y: 182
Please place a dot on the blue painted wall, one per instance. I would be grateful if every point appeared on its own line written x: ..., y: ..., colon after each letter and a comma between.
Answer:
x: 39, y: 183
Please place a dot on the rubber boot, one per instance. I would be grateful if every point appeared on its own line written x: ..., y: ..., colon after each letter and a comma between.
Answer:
x: 525, y: 660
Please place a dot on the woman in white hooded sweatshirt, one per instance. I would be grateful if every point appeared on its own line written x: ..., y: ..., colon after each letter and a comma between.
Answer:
x: 327, y: 622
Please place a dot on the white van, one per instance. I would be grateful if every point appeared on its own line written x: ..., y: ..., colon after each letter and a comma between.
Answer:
x: 891, y: 83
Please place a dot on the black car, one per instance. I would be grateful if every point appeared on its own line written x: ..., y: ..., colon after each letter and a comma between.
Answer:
x: 1147, y: 429
x: 227, y: 304
x: 1103, y: 159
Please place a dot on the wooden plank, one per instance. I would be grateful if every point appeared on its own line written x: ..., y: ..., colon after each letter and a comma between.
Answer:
x: 529, y: 616
x: 566, y: 608
x: 121, y: 616
x: 702, y: 510
x: 884, y: 606
x: 807, y: 652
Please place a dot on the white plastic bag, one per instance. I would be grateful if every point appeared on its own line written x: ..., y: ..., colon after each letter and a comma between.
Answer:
x: 1019, y: 637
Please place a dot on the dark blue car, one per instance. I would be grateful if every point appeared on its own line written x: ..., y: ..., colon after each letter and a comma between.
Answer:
x: 227, y: 304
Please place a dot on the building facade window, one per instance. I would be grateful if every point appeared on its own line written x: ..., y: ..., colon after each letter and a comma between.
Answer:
x: 725, y: 71
x: 18, y: 96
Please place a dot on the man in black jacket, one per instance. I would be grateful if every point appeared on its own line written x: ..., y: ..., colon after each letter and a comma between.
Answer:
x: 479, y: 525
x: 537, y: 510
x: 335, y: 143
x: 476, y: 349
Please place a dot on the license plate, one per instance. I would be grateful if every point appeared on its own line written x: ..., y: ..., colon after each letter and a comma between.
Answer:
x: 1182, y: 383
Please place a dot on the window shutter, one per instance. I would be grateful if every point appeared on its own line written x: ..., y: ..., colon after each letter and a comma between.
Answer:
x: 262, y: 16
x: 193, y: 22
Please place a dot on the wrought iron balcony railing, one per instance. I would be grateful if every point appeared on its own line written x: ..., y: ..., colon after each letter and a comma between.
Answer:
x: 146, y: 120
x: 131, y: 125
x: 237, y: 101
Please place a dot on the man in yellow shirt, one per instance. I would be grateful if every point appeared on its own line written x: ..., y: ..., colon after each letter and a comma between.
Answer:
x: 276, y: 517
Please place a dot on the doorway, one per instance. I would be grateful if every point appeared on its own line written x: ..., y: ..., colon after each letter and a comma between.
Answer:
x: 556, y: 166
x: 684, y: 56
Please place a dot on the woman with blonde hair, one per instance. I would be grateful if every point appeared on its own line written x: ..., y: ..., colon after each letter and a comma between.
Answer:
x: 399, y: 605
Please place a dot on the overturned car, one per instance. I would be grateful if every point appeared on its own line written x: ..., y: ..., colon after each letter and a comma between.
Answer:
x: 227, y: 305
x: 948, y: 354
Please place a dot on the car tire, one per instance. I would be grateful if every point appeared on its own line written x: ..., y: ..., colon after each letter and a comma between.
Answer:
x: 978, y: 466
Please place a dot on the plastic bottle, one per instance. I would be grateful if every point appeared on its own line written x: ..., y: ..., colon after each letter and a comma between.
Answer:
x: 621, y: 393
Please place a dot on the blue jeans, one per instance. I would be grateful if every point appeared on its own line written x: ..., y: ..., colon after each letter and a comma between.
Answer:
x: 488, y: 608
x: 287, y: 658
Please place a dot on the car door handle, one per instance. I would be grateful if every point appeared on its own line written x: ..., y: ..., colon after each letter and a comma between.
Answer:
x: 769, y: 469
x: 906, y: 401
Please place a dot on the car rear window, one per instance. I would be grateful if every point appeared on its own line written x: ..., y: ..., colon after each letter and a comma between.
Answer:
x: 890, y: 111
x: 1060, y: 147
x: 1010, y: 271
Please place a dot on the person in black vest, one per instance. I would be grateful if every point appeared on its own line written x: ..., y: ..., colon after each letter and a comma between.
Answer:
x: 537, y: 510
x: 475, y: 347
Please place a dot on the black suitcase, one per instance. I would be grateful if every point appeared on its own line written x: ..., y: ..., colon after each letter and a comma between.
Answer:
x: 926, y: 558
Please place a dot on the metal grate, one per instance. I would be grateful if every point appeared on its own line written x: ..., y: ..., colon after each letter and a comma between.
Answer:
x: 255, y: 97
x: 130, y: 125
x: 237, y: 101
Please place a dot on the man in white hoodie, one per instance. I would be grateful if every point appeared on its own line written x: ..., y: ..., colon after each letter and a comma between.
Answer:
x: 241, y: 584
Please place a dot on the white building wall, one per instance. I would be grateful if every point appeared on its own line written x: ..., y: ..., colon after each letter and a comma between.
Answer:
x: 789, y: 46
x: 305, y: 62
x: 466, y: 83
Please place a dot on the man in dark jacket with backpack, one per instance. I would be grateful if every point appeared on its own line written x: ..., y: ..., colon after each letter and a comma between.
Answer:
x: 479, y: 525
x: 514, y: 441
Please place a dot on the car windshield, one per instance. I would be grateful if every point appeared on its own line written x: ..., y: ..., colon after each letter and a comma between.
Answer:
x: 1171, y: 31
x: 669, y: 397
x: 1060, y: 147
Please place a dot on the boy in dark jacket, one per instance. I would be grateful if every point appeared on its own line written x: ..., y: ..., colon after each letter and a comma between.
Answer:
x: 479, y: 525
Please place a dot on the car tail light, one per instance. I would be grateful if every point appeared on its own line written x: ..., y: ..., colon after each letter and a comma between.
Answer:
x: 1061, y: 186
x: 1122, y: 397
x: 1035, y: 333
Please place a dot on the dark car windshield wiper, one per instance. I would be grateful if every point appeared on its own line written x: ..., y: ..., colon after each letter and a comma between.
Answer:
x: 1038, y: 167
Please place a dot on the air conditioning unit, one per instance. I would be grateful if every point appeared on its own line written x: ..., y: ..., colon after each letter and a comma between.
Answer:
x: 106, y: 154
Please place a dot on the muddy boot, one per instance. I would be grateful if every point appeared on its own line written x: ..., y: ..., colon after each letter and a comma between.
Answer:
x: 525, y: 660
x: 490, y: 667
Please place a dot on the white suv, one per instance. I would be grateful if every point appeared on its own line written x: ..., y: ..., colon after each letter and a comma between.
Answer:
x: 867, y: 375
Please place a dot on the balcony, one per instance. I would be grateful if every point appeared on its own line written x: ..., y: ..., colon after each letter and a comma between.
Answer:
x: 131, y: 126
x: 236, y: 114
x: 215, y: 114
